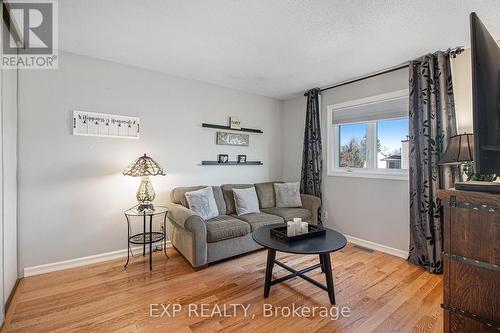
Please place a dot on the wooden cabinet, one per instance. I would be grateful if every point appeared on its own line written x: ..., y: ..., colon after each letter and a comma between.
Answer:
x: 471, y: 299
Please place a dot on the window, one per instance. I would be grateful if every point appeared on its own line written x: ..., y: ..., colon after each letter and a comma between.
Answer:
x: 352, y: 146
x: 369, y: 137
x: 392, y: 144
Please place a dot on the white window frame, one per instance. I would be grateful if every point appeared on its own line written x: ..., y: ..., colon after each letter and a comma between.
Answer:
x: 333, y: 140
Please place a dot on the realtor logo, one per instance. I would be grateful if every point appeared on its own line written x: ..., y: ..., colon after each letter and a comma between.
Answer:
x: 31, y: 40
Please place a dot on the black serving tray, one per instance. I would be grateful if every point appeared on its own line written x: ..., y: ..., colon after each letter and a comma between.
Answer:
x: 280, y: 234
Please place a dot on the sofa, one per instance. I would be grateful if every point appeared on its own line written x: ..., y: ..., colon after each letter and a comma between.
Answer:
x: 202, y: 242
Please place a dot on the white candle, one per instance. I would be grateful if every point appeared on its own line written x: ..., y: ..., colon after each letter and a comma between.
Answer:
x: 298, y: 229
x: 304, y: 226
x: 290, y: 228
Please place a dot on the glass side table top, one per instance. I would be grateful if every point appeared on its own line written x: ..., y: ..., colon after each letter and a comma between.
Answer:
x: 134, y: 211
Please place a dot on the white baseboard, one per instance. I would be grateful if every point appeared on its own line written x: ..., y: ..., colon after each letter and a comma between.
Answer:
x: 378, y: 247
x: 77, y: 262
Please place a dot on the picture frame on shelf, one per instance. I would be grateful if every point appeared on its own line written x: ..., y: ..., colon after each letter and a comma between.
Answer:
x: 242, y: 158
x: 223, y: 158
x: 234, y: 123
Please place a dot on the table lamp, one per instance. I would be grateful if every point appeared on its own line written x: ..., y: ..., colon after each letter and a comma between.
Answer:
x: 459, y: 151
x: 144, y: 167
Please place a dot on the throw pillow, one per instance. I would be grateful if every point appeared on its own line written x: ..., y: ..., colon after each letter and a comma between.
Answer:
x: 287, y: 195
x: 202, y: 202
x: 245, y: 200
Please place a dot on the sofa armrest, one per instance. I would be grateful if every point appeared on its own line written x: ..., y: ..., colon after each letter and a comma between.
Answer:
x: 191, y: 236
x: 311, y: 203
x: 186, y: 218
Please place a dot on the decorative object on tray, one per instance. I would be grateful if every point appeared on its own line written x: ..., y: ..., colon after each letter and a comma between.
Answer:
x: 297, y: 227
x: 296, y: 230
x: 242, y: 158
x: 101, y: 124
x: 234, y: 123
x: 223, y: 158
x: 233, y: 139
x: 144, y: 167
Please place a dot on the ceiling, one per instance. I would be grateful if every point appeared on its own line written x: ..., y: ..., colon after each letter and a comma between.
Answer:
x: 276, y: 48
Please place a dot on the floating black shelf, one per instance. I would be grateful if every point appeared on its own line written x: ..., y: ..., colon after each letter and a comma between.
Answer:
x: 231, y: 163
x: 252, y: 130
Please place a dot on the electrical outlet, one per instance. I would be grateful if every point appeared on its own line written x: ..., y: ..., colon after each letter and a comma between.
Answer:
x: 325, y: 215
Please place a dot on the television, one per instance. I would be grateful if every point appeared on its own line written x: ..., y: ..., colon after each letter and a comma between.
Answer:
x: 485, y: 61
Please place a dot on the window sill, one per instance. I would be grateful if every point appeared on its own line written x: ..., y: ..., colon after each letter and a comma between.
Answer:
x: 369, y: 174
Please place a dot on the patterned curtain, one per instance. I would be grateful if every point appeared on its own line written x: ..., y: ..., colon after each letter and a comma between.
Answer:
x: 312, y: 157
x: 432, y: 122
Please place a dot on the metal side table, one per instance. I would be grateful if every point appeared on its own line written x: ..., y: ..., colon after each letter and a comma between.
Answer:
x: 146, y: 237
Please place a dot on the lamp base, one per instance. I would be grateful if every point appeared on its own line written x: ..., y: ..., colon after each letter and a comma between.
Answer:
x: 144, y: 206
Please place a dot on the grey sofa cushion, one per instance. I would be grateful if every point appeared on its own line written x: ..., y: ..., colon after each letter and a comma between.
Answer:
x: 246, y: 201
x: 178, y: 196
x: 202, y: 202
x: 225, y: 227
x: 289, y: 213
x: 227, y: 191
x: 257, y: 220
x: 219, y: 199
x: 288, y: 195
x: 265, y: 192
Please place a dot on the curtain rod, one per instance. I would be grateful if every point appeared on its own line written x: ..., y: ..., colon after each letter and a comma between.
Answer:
x: 453, y: 51
x: 364, y: 77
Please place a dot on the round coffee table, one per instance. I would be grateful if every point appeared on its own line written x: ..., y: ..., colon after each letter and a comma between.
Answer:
x: 323, y: 245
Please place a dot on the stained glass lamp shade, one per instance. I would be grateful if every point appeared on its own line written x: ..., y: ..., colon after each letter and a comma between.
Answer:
x: 144, y: 167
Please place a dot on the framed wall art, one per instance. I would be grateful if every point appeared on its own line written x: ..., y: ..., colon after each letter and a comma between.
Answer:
x: 107, y: 125
x: 232, y: 139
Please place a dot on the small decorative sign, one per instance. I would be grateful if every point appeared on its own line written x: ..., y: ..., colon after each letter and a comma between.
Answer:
x: 233, y: 139
x: 101, y: 124
x: 234, y: 123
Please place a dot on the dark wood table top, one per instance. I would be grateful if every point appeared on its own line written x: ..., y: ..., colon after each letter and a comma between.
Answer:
x: 332, y: 241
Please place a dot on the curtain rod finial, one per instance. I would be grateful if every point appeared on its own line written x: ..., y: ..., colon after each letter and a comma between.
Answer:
x: 313, y: 89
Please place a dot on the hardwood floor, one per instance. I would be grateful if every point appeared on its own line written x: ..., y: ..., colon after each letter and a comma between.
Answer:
x: 383, y: 293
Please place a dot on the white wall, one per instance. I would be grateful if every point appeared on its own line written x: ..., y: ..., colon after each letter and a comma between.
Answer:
x: 376, y: 210
x: 462, y: 89
x: 71, y: 191
x: 294, y: 118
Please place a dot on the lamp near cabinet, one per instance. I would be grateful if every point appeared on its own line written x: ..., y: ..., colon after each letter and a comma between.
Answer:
x: 144, y: 167
x: 459, y: 150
